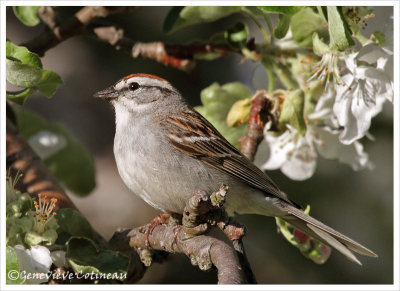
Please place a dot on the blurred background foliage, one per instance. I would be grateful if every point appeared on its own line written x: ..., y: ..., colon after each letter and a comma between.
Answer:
x: 359, y: 204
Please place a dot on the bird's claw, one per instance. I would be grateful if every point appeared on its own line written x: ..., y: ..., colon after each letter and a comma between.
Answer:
x: 158, y: 220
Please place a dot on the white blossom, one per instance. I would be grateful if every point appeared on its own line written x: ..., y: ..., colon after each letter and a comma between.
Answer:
x: 35, y: 261
x: 295, y: 155
x: 324, y: 127
x: 292, y: 153
x: 367, y: 84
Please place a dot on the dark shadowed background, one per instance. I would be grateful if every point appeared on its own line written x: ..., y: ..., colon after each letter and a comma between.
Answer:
x: 359, y: 204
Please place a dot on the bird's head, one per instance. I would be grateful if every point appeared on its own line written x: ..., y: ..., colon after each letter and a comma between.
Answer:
x: 140, y: 92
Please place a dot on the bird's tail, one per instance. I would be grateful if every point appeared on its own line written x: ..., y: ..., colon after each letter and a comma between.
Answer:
x: 325, y: 234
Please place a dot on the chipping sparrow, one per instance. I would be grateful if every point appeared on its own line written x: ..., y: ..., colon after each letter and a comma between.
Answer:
x: 165, y: 151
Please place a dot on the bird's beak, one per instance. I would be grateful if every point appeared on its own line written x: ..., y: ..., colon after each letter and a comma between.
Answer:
x: 109, y: 93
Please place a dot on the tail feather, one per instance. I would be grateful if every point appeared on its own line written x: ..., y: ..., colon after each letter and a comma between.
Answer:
x: 326, y: 234
x: 322, y: 236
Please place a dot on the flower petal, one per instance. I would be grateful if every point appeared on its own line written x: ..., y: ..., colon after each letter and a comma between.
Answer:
x: 327, y: 142
x: 355, y: 156
x: 279, y: 148
x: 35, y: 261
x: 301, y: 163
x: 360, y: 101
x: 371, y: 53
x: 298, y: 169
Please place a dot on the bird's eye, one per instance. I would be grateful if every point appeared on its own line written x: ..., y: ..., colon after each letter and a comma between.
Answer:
x: 133, y: 86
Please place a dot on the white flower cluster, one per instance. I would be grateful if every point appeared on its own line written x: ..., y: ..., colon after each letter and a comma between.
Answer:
x: 341, y: 117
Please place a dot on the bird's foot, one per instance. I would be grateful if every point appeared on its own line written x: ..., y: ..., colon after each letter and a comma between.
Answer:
x: 162, y: 218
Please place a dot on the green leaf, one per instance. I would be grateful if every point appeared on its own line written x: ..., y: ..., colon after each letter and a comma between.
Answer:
x: 33, y: 238
x: 304, y: 24
x: 237, y: 35
x: 28, y: 76
x: 73, y: 164
x: 73, y: 223
x: 22, y: 54
x: 323, y: 13
x: 218, y: 38
x: 339, y: 31
x: 49, y: 82
x: 84, y: 256
x: 378, y: 38
x: 20, y: 206
x: 217, y: 101
x: 24, y: 69
x: 319, y: 47
x: 282, y: 27
x: 172, y: 17
x: 239, y: 113
x: 22, y: 75
x: 19, y: 97
x: 292, y: 111
x: 12, y: 267
x: 27, y: 14
x: 289, y: 10
x: 191, y: 15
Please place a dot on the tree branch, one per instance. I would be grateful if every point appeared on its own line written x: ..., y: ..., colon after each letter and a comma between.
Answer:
x: 201, y: 211
x: 177, y: 56
x: 262, y: 110
x: 20, y: 158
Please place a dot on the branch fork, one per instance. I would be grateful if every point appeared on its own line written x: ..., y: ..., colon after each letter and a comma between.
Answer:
x: 202, y: 211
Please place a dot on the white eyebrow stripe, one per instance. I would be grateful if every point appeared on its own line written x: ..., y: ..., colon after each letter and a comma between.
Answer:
x: 145, y: 81
x: 120, y: 85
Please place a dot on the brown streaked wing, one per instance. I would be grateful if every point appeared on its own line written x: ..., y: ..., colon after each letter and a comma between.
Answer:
x: 192, y: 134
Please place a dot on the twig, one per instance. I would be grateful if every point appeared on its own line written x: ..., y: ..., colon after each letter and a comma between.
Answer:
x: 260, y: 113
x: 48, y: 16
x: 154, y: 50
x: 55, y: 34
x: 177, y: 56
x: 235, y: 232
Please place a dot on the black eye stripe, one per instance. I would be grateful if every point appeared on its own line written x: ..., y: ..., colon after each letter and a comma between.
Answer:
x: 134, y: 86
